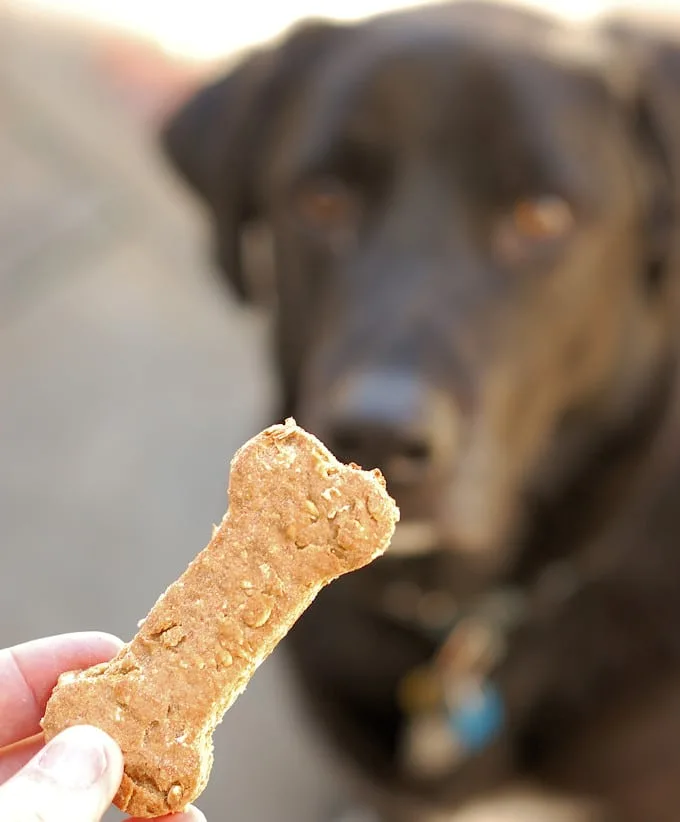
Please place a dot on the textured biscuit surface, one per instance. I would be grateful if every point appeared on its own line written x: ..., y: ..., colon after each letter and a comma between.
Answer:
x: 297, y: 520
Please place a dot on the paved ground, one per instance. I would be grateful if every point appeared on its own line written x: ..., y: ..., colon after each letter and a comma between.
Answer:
x: 126, y: 381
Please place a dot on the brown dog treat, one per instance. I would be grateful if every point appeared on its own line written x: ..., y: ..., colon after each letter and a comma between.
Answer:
x: 297, y: 520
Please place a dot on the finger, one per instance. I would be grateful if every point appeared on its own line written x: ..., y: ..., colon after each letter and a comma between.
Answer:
x: 29, y: 672
x: 16, y: 756
x: 12, y: 759
x: 73, y: 779
x: 191, y: 814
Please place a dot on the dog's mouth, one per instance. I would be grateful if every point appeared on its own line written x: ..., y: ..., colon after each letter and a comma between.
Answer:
x: 461, y: 499
x: 466, y: 516
x: 414, y: 538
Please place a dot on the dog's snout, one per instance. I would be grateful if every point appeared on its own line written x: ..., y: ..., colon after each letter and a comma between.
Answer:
x: 403, y: 453
x: 393, y: 421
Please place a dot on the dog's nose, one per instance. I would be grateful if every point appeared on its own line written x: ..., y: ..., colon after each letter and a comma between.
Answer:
x: 393, y: 421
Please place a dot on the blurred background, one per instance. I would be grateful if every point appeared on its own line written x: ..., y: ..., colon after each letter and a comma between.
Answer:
x: 127, y: 377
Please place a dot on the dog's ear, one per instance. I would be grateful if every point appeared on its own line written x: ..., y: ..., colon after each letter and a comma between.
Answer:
x: 646, y: 76
x: 217, y: 140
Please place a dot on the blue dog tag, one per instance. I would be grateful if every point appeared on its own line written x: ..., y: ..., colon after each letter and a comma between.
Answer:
x: 478, y: 718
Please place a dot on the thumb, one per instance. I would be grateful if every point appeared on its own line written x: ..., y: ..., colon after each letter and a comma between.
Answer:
x: 73, y: 779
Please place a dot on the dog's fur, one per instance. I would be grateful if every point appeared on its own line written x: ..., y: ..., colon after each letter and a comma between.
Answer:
x: 387, y: 159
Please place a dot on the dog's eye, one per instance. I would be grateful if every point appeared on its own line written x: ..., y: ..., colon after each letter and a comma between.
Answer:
x: 542, y: 218
x: 533, y: 226
x: 325, y: 205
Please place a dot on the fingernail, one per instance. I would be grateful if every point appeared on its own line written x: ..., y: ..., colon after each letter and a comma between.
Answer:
x: 76, y: 759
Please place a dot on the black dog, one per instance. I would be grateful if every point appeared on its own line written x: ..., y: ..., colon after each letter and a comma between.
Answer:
x: 475, y: 238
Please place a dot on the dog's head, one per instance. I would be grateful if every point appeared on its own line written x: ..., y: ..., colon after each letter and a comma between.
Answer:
x: 471, y: 213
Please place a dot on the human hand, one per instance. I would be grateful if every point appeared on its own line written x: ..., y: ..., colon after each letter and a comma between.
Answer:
x: 75, y: 777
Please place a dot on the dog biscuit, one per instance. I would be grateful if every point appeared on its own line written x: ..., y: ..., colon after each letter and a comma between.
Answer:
x: 297, y: 519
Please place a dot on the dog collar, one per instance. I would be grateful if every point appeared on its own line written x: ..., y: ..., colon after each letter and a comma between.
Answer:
x: 451, y: 706
x: 453, y: 709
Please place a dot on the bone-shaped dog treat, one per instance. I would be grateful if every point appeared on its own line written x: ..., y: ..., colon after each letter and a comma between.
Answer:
x: 297, y: 520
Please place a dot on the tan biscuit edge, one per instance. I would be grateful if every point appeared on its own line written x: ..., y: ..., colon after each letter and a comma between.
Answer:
x: 297, y: 520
